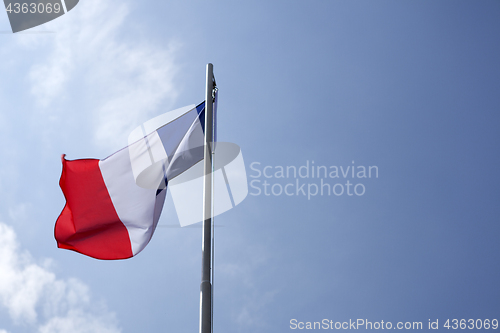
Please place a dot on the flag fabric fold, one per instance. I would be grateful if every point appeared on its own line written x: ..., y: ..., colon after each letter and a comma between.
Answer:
x: 113, y: 205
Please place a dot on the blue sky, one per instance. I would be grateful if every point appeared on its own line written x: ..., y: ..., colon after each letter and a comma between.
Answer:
x: 408, y: 86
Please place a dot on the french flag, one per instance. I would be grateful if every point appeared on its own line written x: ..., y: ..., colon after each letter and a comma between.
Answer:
x: 113, y: 205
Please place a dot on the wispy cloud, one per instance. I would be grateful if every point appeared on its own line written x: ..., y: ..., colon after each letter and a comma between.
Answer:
x: 19, y: 212
x: 33, y: 295
x: 116, y: 79
x: 87, y: 74
x: 252, y: 311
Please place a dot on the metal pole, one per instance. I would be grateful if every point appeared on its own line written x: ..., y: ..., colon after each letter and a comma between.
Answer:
x: 206, y: 247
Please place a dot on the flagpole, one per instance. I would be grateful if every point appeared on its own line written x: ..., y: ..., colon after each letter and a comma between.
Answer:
x: 206, y: 247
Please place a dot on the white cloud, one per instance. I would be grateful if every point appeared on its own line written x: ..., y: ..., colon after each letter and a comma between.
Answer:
x: 88, y: 73
x: 78, y: 322
x: 33, y: 295
x: 119, y: 79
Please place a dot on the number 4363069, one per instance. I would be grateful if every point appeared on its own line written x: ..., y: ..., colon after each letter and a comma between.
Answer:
x: 33, y: 8
x: 471, y: 324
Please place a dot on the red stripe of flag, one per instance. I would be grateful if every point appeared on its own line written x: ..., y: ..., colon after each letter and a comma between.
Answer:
x: 89, y: 223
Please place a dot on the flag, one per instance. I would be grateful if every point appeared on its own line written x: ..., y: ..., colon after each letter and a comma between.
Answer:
x: 113, y: 205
